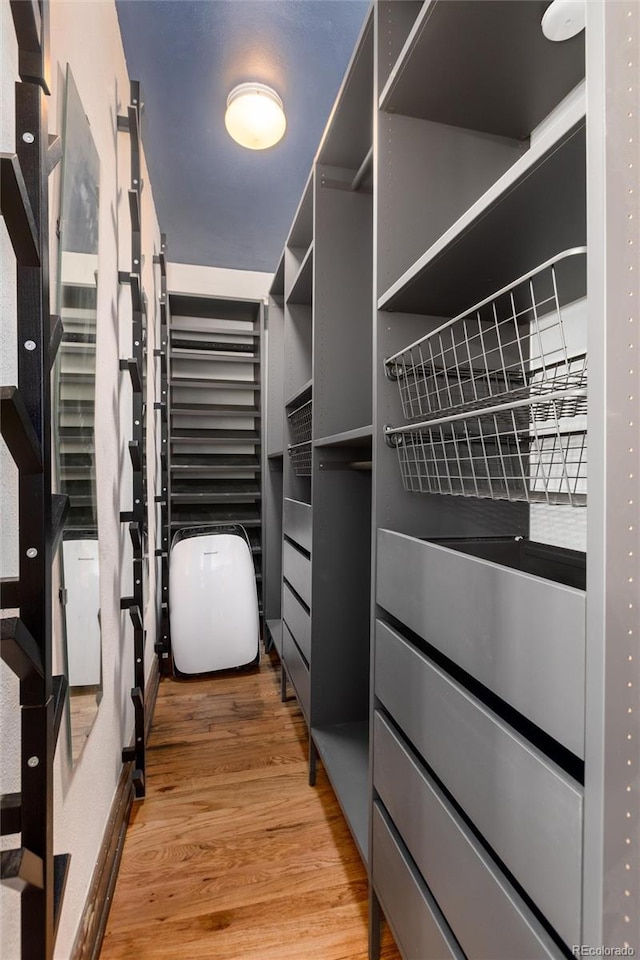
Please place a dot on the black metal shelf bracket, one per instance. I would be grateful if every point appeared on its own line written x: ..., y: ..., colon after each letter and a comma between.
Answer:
x: 130, y: 364
x: 163, y: 497
x: 26, y: 641
x: 136, y: 537
x: 18, y: 432
x: 17, y: 212
x: 20, y: 651
x: 10, y: 814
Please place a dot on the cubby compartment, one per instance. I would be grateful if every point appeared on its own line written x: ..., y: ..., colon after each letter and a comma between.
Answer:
x: 298, y: 249
x: 527, y: 809
x: 460, y: 111
x: 341, y: 618
x: 342, y: 311
x: 349, y: 134
x: 484, y: 66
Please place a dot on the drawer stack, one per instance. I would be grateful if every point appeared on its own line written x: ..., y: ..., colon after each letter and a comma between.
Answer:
x: 296, y: 598
x: 479, y: 717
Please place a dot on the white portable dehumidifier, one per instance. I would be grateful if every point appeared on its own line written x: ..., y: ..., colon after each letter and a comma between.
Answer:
x: 213, y: 601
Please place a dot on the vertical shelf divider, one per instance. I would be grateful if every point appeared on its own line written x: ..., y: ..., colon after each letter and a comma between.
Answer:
x: 136, y: 367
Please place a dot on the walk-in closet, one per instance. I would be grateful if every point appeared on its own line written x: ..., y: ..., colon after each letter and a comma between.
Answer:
x: 319, y: 337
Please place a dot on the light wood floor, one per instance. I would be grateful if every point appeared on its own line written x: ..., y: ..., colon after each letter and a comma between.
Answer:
x: 232, y: 856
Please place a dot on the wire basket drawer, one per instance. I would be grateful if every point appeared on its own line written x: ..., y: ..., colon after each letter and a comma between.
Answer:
x: 300, y: 423
x: 511, y: 346
x: 300, y: 456
x: 300, y: 447
x: 523, y: 453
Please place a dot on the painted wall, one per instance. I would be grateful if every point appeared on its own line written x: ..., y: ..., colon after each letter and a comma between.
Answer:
x: 216, y: 281
x: 85, y: 35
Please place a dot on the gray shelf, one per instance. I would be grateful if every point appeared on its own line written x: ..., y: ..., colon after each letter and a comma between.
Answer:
x: 344, y: 751
x: 349, y: 131
x: 360, y: 438
x: 541, y: 198
x: 482, y: 66
x: 275, y: 629
x: 301, y: 288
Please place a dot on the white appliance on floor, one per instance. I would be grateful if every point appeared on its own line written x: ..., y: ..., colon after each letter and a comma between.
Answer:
x: 82, y: 612
x: 213, y: 600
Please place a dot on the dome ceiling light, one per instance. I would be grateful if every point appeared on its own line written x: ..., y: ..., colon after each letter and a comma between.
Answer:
x: 255, y: 116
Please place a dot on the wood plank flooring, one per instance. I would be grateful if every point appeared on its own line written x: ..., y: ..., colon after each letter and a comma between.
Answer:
x: 232, y: 856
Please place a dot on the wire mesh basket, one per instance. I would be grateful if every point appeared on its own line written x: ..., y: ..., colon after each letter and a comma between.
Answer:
x: 524, y: 451
x: 300, y: 423
x: 300, y: 456
x: 514, y: 345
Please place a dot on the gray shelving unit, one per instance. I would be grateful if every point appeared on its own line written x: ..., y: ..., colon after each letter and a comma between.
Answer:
x: 460, y: 688
x: 273, y: 454
x: 475, y: 704
x: 216, y: 397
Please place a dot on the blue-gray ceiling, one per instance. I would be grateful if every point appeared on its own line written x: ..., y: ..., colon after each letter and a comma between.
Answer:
x: 220, y: 204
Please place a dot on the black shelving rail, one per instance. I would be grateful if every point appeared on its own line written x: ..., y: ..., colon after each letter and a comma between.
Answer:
x: 163, y: 642
x: 136, y: 517
x: 25, y: 418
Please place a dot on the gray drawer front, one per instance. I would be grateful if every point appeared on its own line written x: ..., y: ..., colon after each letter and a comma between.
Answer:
x: 521, y: 636
x: 465, y: 882
x: 527, y: 809
x: 297, y: 620
x: 296, y: 568
x: 413, y: 915
x: 296, y: 522
x: 297, y: 670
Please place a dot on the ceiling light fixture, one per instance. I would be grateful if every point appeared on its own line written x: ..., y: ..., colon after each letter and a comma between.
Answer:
x: 563, y: 19
x: 255, y: 116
